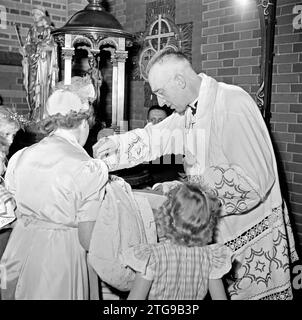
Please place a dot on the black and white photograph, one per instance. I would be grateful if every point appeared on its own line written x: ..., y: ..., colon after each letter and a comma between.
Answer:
x: 150, y: 150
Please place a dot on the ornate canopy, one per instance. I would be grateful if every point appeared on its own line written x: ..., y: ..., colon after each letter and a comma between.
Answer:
x: 93, y: 29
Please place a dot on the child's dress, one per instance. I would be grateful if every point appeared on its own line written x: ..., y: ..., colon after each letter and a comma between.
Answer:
x: 178, y: 272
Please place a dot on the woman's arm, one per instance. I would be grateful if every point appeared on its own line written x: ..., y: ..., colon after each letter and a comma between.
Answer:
x: 89, y: 182
x: 85, y: 231
x: 140, y: 288
x: 217, y: 290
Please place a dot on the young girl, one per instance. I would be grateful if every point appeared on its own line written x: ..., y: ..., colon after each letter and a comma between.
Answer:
x: 9, y: 125
x: 182, y: 266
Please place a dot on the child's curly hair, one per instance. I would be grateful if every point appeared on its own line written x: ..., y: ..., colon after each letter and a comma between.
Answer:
x: 189, y: 216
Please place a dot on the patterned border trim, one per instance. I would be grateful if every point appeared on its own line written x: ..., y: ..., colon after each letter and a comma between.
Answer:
x: 255, y: 231
x: 286, y: 294
x: 137, y: 149
x: 249, y: 235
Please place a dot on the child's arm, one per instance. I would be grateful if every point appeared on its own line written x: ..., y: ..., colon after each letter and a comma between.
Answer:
x: 140, y: 288
x: 217, y: 290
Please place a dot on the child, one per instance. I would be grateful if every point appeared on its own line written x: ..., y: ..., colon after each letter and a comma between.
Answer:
x: 9, y: 125
x: 182, y: 266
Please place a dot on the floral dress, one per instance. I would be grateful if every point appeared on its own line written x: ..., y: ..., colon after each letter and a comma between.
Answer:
x: 178, y: 272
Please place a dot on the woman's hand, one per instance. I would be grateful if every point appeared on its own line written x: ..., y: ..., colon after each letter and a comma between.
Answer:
x: 85, y: 231
x: 217, y: 290
x: 140, y: 289
x: 104, y: 148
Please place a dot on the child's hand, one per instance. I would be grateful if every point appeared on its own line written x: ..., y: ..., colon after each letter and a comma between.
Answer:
x: 165, y: 187
x: 158, y: 188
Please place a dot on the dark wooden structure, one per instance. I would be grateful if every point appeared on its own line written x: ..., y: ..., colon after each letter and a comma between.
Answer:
x: 267, y: 15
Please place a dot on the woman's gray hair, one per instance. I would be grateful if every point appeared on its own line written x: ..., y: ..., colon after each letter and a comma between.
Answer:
x: 71, y: 120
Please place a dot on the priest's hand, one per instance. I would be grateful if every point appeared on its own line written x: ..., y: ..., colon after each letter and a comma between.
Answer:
x: 104, y: 148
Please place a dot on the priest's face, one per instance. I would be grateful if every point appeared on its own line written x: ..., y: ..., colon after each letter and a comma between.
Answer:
x: 164, y: 84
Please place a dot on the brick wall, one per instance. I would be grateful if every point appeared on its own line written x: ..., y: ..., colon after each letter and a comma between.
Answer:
x: 19, y: 11
x: 73, y: 6
x: 11, y: 88
x: 286, y: 105
x: 117, y: 8
x: 191, y: 11
x: 230, y: 42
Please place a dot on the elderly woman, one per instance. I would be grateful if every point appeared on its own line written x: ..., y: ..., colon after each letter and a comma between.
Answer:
x: 58, y: 189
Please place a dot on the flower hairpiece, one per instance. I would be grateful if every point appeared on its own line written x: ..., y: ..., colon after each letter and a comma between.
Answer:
x: 14, y: 116
x: 18, y: 117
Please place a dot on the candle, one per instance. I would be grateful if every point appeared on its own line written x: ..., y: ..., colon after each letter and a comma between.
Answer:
x: 67, y: 60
